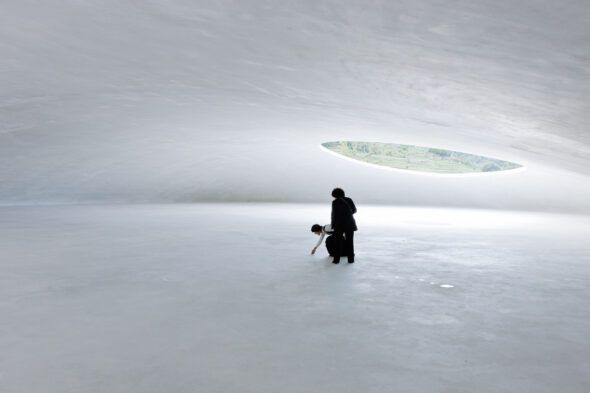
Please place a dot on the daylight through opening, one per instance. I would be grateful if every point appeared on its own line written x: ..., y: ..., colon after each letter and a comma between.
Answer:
x: 418, y: 158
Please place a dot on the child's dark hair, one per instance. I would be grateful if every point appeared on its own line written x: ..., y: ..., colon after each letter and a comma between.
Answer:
x: 316, y: 228
x: 338, y: 193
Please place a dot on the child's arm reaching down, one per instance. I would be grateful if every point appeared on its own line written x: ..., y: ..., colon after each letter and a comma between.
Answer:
x: 313, y: 250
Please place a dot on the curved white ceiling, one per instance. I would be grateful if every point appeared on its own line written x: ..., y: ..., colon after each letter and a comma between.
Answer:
x: 189, y: 100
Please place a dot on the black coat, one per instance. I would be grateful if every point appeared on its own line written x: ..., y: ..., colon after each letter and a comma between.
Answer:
x: 342, y: 215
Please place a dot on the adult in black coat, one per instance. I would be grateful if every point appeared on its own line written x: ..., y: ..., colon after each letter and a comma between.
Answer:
x: 343, y: 223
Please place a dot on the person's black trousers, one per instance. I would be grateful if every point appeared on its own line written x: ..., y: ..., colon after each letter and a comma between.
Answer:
x: 331, y: 246
x: 348, y: 240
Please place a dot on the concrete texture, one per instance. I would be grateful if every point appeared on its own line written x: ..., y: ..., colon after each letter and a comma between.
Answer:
x: 194, y: 100
x: 226, y: 298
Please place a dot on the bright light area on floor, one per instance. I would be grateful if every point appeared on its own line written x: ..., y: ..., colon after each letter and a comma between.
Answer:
x: 397, y: 216
x: 444, y: 217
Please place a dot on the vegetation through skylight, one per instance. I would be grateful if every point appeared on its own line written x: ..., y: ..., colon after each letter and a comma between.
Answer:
x: 418, y: 158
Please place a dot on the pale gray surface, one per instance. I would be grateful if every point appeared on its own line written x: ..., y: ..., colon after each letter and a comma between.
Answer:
x: 186, y: 100
x: 225, y: 298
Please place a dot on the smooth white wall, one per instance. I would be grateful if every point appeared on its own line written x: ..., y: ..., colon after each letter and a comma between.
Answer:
x: 121, y: 101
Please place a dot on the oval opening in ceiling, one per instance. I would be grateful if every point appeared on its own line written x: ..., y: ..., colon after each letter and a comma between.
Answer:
x: 418, y: 158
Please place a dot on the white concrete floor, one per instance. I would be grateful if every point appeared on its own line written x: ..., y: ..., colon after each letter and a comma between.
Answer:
x: 226, y: 298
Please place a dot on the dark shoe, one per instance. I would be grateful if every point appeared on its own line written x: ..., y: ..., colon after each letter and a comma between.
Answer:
x: 335, y: 261
x: 351, y: 260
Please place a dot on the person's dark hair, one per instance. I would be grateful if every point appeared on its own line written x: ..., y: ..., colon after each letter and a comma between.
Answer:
x: 338, y: 193
x: 316, y: 228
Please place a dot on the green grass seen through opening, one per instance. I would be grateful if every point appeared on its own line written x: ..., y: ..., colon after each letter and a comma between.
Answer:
x: 418, y: 158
